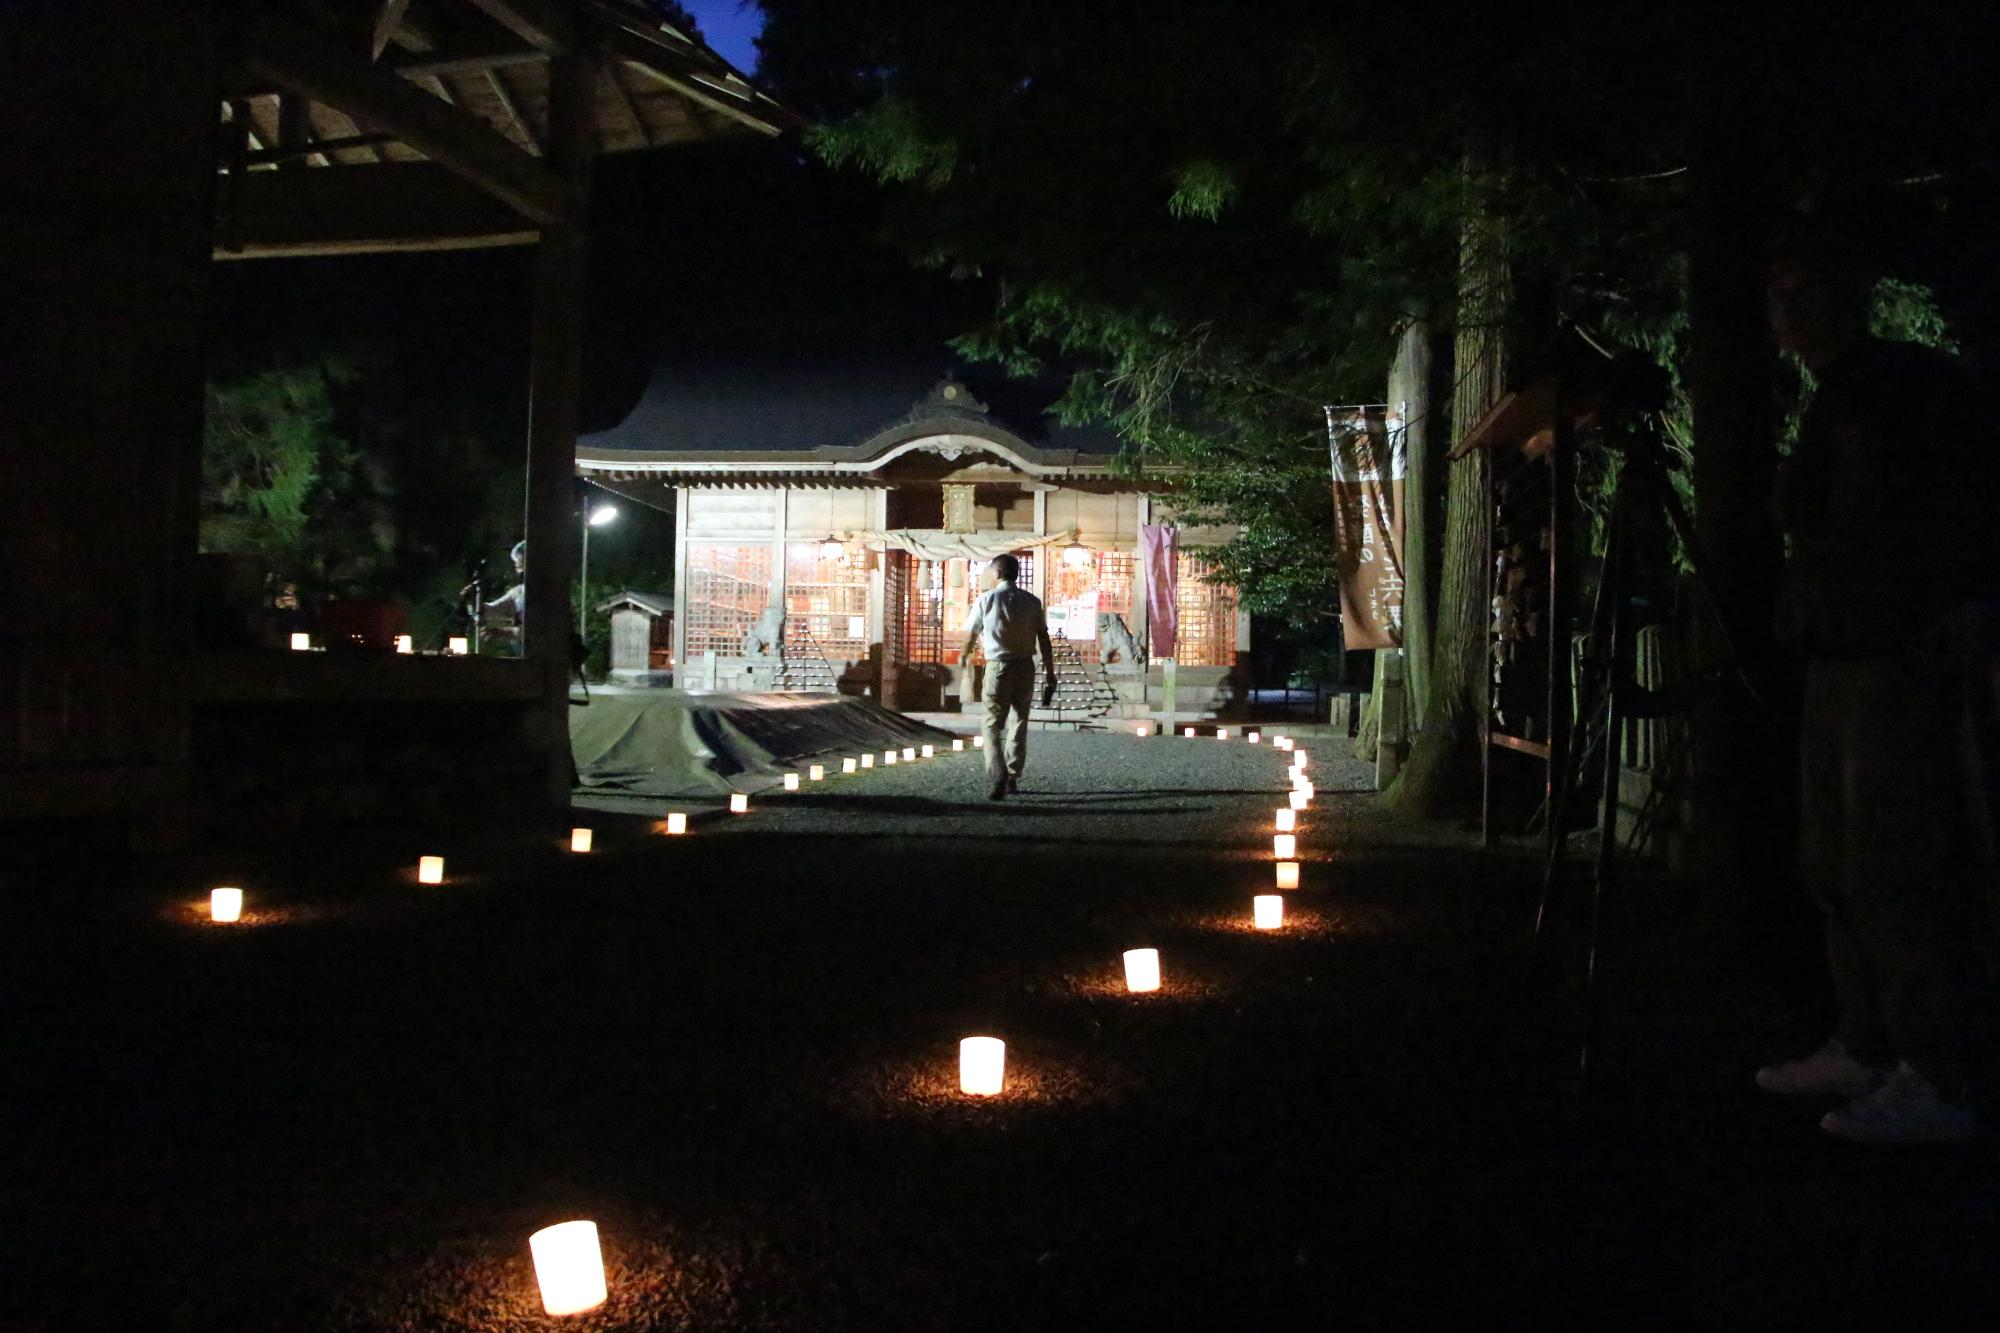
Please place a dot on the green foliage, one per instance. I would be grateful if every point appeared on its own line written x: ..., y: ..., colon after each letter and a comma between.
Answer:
x: 889, y: 141
x: 1202, y: 189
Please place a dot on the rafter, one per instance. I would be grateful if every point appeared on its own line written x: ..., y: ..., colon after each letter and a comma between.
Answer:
x: 390, y: 207
x: 539, y: 23
x: 388, y: 20
x: 631, y: 108
x: 507, y: 104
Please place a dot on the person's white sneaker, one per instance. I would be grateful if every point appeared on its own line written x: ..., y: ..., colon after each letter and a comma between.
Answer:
x: 1830, y: 1071
x: 1907, y: 1109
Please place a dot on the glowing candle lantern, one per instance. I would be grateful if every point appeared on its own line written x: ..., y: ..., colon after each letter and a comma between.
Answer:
x: 225, y: 905
x: 1187, y: 731
x: 982, y: 1066
x: 579, y: 839
x: 430, y: 870
x: 1288, y: 874
x: 1222, y: 733
x: 1254, y: 737
x: 405, y: 644
x: 1142, y: 969
x: 1283, y: 742
x: 1284, y: 846
x: 889, y: 758
x: 817, y: 773
x: 1145, y: 732
x: 1305, y: 789
x: 849, y: 766
x: 1299, y: 760
x: 978, y: 742
x: 739, y: 804
x: 791, y: 782
x: 1298, y: 799
x: 301, y: 642
x: 909, y: 753
x: 868, y: 761
x: 455, y: 645
x: 1288, y: 820
x: 677, y: 822
x: 958, y: 745
x: 1267, y: 910
x: 569, y: 1267
x: 930, y: 752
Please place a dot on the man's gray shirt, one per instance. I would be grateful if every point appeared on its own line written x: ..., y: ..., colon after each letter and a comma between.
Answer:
x: 1009, y: 623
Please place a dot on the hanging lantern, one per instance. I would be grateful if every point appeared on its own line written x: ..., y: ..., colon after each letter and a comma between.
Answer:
x: 831, y: 549
x: 1076, y: 555
x: 1142, y: 970
x: 1288, y: 874
x: 982, y: 1066
x: 849, y: 765
x: 569, y: 1267
x: 817, y: 773
x: 430, y: 870
x: 301, y: 642
x: 1267, y: 911
x: 739, y: 804
x: 1284, y: 846
x: 455, y: 645
x: 791, y: 782
x: 1288, y: 820
x: 677, y: 821
x: 405, y: 644
x: 225, y: 905
x: 579, y: 839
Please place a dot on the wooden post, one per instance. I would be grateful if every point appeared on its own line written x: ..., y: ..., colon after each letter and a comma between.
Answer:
x: 553, y: 367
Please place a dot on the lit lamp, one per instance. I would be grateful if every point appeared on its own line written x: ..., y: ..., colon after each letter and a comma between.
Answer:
x: 677, y: 821
x: 455, y: 645
x: 1267, y: 911
x: 1076, y: 555
x: 982, y: 1066
x: 1298, y: 799
x: 405, y: 644
x: 1254, y: 737
x: 1187, y: 731
x: 569, y: 1267
x: 739, y: 804
x: 1284, y: 846
x: 978, y: 742
x: 848, y: 766
x: 1142, y: 970
x: 909, y: 753
x: 791, y: 782
x: 930, y: 751
x: 1222, y: 733
x: 1282, y: 742
x: 1288, y: 820
x: 831, y: 549
x: 1144, y: 732
x: 888, y: 757
x: 868, y: 761
x: 430, y: 870
x: 958, y: 746
x: 225, y: 905
x: 1304, y: 788
x: 301, y: 642
x: 817, y: 773
x: 579, y: 839
x: 1288, y: 874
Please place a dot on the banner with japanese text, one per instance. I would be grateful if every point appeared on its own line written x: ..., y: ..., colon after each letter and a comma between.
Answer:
x: 1369, y: 466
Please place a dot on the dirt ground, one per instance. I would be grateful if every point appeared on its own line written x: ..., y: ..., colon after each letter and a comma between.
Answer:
x: 736, y: 1051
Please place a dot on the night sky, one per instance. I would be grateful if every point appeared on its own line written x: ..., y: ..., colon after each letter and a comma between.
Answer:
x: 731, y: 27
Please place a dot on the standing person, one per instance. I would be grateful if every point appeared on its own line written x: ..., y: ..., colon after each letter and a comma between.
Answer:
x: 1011, y: 626
x: 1887, y: 504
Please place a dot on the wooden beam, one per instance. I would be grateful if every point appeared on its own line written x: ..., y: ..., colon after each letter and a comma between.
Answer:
x: 316, y: 147
x: 430, y: 64
x: 631, y: 108
x: 539, y: 23
x: 661, y: 66
x: 388, y: 19
x: 314, y: 67
x: 363, y: 209
x: 506, y: 100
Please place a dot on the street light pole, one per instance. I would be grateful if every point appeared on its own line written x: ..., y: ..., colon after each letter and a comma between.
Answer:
x: 593, y: 518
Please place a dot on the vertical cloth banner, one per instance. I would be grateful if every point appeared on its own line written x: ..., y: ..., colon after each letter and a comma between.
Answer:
x: 1158, y: 544
x: 1365, y: 445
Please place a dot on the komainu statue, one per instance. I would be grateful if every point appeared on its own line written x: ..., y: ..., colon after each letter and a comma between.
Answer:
x: 766, y: 637
x: 1116, y: 648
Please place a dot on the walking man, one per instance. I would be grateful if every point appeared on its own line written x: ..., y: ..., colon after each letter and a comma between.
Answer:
x: 1010, y: 625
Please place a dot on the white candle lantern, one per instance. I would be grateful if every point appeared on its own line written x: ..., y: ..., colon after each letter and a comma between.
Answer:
x: 868, y: 761
x: 1254, y: 737
x: 1288, y: 820
x: 958, y: 745
x: 301, y: 642
x: 909, y: 753
x: 1288, y: 874
x: 1284, y: 846
x: 1142, y: 970
x: 1222, y: 733
x: 677, y: 821
x: 978, y: 742
x: 849, y: 765
x: 455, y: 645
x: 1188, y: 732
x: 889, y: 758
x: 1144, y: 732
x: 982, y: 1066
x: 430, y: 870
x: 817, y: 773
x: 579, y: 839
x: 1299, y: 759
x: 930, y: 751
x: 1283, y: 742
x: 225, y: 905
x: 1267, y: 910
x: 405, y: 644
x: 791, y: 782
x: 1297, y: 798
x: 739, y: 804
x: 1303, y: 787
x: 569, y: 1267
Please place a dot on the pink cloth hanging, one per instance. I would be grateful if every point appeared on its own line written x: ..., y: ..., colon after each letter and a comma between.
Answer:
x: 1158, y: 544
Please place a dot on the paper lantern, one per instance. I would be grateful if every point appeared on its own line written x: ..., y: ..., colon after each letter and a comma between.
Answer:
x: 1304, y: 788
x: 677, y: 822
x: 849, y: 766
x: 455, y: 645
x: 1145, y: 732
x: 1298, y: 799
x: 301, y: 642
x: 1267, y: 910
x: 889, y: 758
x: 1288, y: 820
x: 569, y: 1267
x: 1222, y: 733
x: 909, y: 753
x: 1254, y: 737
x: 982, y: 1066
x: 579, y: 839
x: 1282, y: 742
x: 930, y: 751
x: 958, y: 745
x: 1288, y: 874
x: 816, y: 773
x: 405, y: 644
x: 868, y: 761
x: 1299, y: 760
x: 225, y: 904
x: 739, y: 804
x: 1187, y: 731
x: 1142, y: 969
x: 978, y: 742
x: 791, y: 782
x: 1284, y: 846
x: 430, y: 870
